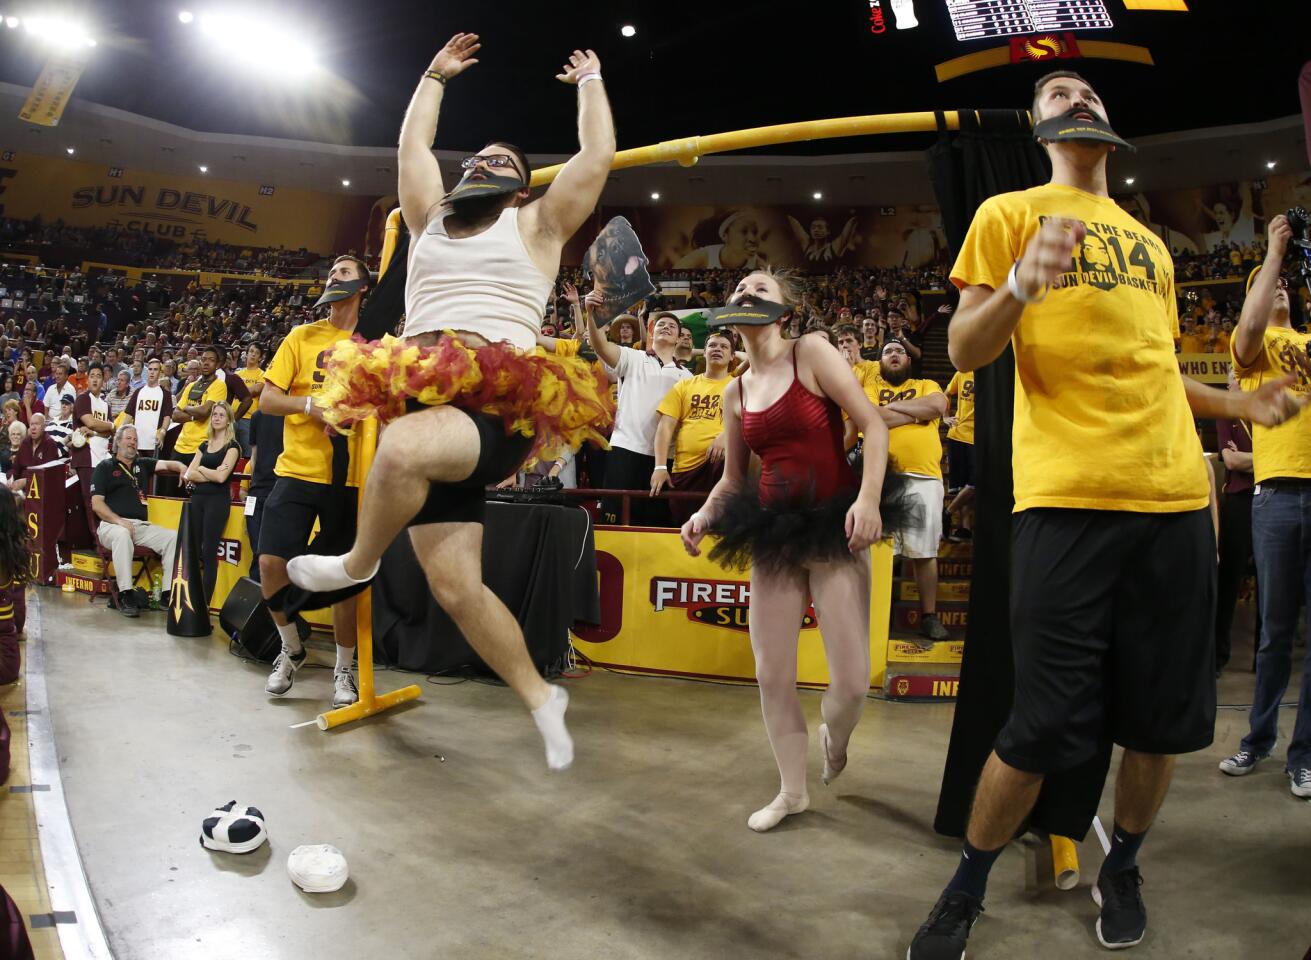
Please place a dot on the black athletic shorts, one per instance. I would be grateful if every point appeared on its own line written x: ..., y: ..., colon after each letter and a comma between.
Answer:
x: 290, y: 512
x: 500, y: 454
x: 960, y: 463
x: 1112, y: 625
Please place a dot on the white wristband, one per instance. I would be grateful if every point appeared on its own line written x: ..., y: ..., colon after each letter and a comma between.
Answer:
x: 1013, y: 285
x: 704, y: 521
x: 586, y: 78
x: 661, y: 466
x: 309, y: 404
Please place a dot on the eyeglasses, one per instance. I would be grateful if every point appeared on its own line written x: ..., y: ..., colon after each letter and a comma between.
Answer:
x: 494, y: 160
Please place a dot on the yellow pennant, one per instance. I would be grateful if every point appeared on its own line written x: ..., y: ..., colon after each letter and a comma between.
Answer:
x: 52, y: 91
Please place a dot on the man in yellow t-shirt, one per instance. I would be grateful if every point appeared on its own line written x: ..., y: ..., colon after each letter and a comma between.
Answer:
x: 253, y: 377
x: 960, y: 452
x: 1191, y: 339
x: 193, y: 409
x: 304, y: 491
x: 912, y: 409
x: 693, y: 410
x: 1265, y: 347
x: 1113, y: 555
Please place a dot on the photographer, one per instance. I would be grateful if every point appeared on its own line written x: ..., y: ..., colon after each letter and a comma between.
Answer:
x: 1266, y: 347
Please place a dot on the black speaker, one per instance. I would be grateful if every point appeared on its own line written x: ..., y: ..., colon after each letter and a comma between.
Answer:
x: 246, y: 620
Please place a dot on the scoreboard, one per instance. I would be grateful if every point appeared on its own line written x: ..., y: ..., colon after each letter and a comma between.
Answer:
x: 980, y: 19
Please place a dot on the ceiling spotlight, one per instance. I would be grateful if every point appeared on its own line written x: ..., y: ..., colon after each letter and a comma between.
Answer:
x: 204, y: 169
x: 1270, y: 164
x: 655, y: 196
x: 57, y: 32
x: 186, y: 16
x: 345, y: 183
x: 628, y: 30
x: 259, y: 44
x: 1128, y: 181
x: 11, y: 22
x: 70, y: 150
x: 817, y: 195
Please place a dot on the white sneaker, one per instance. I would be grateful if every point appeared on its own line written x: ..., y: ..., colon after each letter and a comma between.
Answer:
x: 284, y: 669
x: 344, y: 691
x: 322, y: 574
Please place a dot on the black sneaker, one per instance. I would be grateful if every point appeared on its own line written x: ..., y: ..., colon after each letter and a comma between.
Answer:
x: 127, y: 604
x: 943, y: 934
x: 932, y: 629
x: 1124, y: 918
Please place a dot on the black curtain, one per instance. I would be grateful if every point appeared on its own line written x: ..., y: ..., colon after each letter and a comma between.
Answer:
x: 994, y: 152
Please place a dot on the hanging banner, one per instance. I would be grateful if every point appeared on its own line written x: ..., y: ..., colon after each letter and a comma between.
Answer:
x: 51, y: 92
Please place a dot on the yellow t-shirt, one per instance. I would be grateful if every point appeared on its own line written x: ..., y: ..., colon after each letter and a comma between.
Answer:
x: 696, y: 404
x: 1285, y: 450
x: 962, y: 388
x: 251, y: 377
x: 193, y: 431
x: 1221, y: 344
x: 297, y: 370
x: 1101, y: 417
x: 1192, y: 343
x: 915, y: 447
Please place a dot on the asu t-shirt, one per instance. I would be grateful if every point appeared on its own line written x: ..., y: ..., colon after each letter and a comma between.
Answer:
x: 962, y: 388
x: 914, y: 447
x: 1285, y: 450
x: 297, y: 370
x: 696, y: 405
x: 1097, y: 385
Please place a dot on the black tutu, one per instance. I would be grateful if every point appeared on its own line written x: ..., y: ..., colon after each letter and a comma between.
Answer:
x: 751, y: 534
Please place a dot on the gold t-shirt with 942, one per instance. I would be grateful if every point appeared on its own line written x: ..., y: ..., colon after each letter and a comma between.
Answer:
x: 1102, y: 420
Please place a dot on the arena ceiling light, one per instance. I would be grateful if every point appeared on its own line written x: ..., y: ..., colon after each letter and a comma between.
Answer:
x: 1271, y: 164
x: 817, y: 195
x: 655, y: 196
x: 628, y: 30
x: 1128, y: 181
x: 204, y: 169
x: 11, y: 22
x: 58, y: 33
x: 71, y: 150
x: 186, y: 16
x: 259, y: 43
x: 345, y: 183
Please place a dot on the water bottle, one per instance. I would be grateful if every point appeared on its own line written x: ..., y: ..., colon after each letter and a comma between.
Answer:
x: 156, y: 588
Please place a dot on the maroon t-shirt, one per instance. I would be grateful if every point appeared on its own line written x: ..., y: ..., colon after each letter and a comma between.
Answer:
x: 45, y: 451
x: 1237, y: 431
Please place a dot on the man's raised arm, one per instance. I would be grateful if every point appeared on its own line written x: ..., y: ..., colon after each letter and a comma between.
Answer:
x: 572, y: 196
x: 420, y: 178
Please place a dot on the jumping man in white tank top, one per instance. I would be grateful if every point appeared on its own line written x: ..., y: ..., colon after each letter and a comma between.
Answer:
x: 482, y: 263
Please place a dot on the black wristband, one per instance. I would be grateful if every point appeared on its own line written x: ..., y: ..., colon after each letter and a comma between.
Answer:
x: 434, y: 75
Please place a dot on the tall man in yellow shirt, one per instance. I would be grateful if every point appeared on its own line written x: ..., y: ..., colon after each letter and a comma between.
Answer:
x: 960, y: 449
x: 693, y: 410
x: 304, y: 491
x: 252, y: 375
x: 1113, y: 568
x: 1265, y: 346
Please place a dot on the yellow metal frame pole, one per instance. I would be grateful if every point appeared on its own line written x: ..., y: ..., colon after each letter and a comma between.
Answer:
x: 688, y: 150
x: 370, y: 702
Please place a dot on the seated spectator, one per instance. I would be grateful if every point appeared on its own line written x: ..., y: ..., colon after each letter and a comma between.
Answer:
x: 8, y: 391
x: 118, y: 498
x: 8, y: 451
x: 119, y: 395
x: 55, y: 392
x: 37, y: 450
x: 60, y: 428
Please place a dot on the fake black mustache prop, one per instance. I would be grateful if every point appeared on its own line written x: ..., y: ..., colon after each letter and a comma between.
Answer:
x: 340, y: 290
x: 748, y: 312
x: 1067, y: 127
x: 494, y: 185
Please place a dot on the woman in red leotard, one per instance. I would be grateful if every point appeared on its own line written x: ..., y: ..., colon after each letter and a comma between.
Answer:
x: 805, y: 531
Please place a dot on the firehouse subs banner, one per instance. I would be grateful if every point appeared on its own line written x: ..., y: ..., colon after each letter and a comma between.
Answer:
x: 181, y: 208
x: 667, y: 613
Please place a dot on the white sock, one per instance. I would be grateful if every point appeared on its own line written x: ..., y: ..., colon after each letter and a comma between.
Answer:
x: 549, y: 718
x: 769, y: 817
x: 345, y: 659
x: 291, y: 639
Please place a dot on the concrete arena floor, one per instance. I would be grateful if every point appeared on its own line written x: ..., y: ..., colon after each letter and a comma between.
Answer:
x: 641, y: 850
